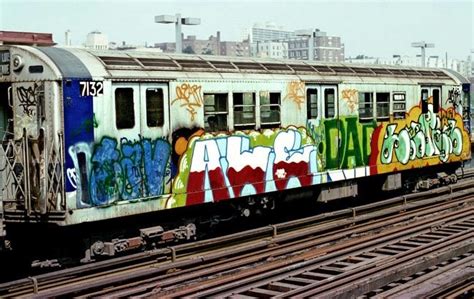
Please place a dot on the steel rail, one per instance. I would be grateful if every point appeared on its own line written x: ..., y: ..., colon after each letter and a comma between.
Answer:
x: 296, y: 265
x: 68, y: 273
x: 181, y: 273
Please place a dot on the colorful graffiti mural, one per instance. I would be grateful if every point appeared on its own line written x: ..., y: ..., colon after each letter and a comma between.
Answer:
x: 189, y: 96
x: 421, y: 139
x: 128, y: 171
x: 199, y: 167
x: 343, y: 143
x: 213, y: 169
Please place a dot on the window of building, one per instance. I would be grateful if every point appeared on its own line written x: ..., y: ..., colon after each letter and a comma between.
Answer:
x: 383, y: 105
x: 436, y: 99
x: 330, y: 102
x: 215, y: 112
x: 154, y: 107
x: 312, y: 103
x: 366, y: 106
x: 424, y: 100
x: 124, y: 108
x: 270, y: 109
x: 244, y: 110
x: 399, y: 105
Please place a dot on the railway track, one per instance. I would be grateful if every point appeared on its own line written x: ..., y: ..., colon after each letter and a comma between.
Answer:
x: 294, y: 258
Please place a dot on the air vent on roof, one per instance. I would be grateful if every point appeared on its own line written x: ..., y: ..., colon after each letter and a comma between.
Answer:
x: 118, y: 61
x: 396, y: 72
x: 426, y: 73
x: 323, y: 69
x: 276, y: 67
x: 222, y: 65
x: 301, y: 67
x: 360, y: 70
x: 380, y: 71
x: 411, y: 72
x: 440, y: 74
x: 153, y: 62
x: 188, y: 63
x: 342, y: 69
x: 248, y: 66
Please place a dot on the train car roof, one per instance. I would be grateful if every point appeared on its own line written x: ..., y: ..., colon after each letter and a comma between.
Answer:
x: 136, y: 65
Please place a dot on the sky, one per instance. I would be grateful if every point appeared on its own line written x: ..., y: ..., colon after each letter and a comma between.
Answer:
x: 378, y: 28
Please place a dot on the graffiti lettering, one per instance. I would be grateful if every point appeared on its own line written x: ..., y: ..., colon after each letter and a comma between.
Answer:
x: 425, y: 138
x: 350, y: 96
x: 227, y: 167
x: 190, y: 97
x: 28, y: 99
x: 344, y: 143
x: 133, y: 170
x: 295, y: 92
x: 454, y: 98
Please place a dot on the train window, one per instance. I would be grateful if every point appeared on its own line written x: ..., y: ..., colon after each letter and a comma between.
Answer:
x: 366, y: 106
x: 382, y: 100
x: 399, y: 105
x: 330, y: 102
x: 312, y: 103
x: 244, y: 110
x: 124, y: 108
x: 424, y: 100
x: 270, y: 109
x: 436, y: 100
x: 154, y: 107
x: 215, y: 112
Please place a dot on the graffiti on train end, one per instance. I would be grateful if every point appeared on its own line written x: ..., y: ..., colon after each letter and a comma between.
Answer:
x: 421, y: 139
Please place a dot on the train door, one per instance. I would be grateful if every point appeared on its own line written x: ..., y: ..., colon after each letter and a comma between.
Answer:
x: 154, y: 117
x: 333, y: 128
x: 127, y: 111
x: 321, y: 101
x: 6, y: 113
x: 432, y: 95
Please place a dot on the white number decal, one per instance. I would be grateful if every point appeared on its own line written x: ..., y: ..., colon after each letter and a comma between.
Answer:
x: 91, y: 88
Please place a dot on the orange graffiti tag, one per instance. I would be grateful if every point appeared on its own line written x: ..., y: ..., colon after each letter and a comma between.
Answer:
x: 296, y: 92
x: 189, y: 96
x: 351, y: 98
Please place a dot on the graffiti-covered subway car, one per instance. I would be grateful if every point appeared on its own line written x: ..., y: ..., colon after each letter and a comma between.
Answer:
x: 93, y: 135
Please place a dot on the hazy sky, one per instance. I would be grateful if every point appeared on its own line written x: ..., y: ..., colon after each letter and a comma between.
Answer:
x: 374, y: 28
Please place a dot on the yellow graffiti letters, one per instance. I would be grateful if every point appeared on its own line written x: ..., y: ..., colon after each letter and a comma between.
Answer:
x: 190, y: 97
x: 350, y: 96
x: 295, y: 92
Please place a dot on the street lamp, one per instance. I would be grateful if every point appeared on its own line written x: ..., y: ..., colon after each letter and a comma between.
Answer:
x: 167, y: 19
x: 423, y: 46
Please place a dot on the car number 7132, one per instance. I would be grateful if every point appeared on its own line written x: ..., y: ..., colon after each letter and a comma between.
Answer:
x: 91, y: 88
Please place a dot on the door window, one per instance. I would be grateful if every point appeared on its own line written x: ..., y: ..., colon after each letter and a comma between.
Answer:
x: 124, y: 108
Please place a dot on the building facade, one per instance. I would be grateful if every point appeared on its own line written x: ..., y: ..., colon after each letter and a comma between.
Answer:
x: 316, y: 45
x: 273, y: 49
x: 211, y: 46
x: 97, y: 40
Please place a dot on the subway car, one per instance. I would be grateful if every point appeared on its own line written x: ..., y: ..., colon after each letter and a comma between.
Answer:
x: 89, y: 136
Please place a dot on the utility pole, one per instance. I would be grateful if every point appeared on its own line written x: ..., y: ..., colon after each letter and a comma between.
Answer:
x: 178, y: 21
x: 423, y: 46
